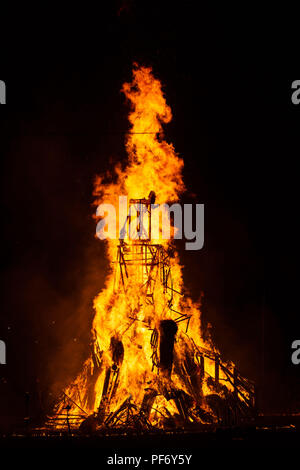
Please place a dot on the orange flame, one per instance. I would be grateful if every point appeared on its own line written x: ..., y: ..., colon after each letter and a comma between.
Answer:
x: 125, y: 319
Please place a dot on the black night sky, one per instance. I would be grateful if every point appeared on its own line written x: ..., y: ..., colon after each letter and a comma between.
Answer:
x: 65, y: 121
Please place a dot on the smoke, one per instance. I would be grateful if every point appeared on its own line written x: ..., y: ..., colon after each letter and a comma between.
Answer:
x: 53, y: 264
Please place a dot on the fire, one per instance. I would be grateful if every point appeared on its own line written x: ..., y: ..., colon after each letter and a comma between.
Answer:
x: 149, y: 365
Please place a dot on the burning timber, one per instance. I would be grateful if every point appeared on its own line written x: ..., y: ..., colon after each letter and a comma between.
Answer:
x: 150, y: 367
x: 178, y: 390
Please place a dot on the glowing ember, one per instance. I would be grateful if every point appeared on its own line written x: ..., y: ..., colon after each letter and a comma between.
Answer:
x: 150, y: 365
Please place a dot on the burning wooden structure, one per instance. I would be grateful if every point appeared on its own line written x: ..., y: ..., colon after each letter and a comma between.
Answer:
x: 149, y: 365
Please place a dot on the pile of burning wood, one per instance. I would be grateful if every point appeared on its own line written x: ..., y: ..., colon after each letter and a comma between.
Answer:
x: 149, y: 367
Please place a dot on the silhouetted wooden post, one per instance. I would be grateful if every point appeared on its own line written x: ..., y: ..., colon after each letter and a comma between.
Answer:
x: 235, y: 377
x: 202, y: 368
x: 217, y: 369
x: 68, y: 407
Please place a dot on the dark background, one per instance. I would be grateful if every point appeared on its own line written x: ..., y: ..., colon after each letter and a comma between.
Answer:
x: 227, y: 79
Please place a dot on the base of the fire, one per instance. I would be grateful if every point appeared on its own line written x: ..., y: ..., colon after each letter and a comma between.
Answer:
x: 193, y: 411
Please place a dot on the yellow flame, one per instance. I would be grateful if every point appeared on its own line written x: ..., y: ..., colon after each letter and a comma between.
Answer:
x: 153, y: 165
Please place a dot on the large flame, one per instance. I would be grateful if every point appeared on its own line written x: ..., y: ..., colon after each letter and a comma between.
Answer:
x: 126, y: 316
